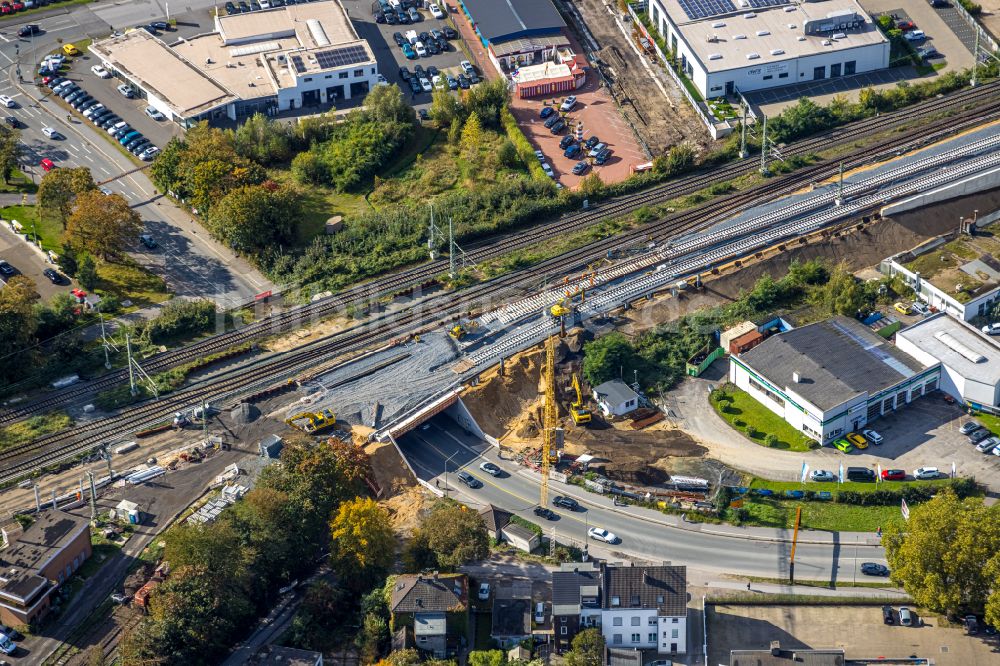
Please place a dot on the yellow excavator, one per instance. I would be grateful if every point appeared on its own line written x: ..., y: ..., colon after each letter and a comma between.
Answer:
x: 459, y: 331
x: 580, y: 415
x: 562, y: 308
x: 312, y: 422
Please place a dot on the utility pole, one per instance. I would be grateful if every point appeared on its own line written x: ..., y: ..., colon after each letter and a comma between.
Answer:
x: 451, y: 249
x: 975, y: 60
x: 840, y: 186
x: 204, y: 417
x: 38, y: 499
x: 433, y: 234
x: 743, y: 135
x: 763, y: 150
x: 131, y: 371
x: 93, y: 496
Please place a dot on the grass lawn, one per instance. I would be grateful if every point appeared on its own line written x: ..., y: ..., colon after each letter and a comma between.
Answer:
x: 27, y: 430
x: 484, y: 626
x: 991, y: 422
x: 781, y: 486
x: 741, y: 409
x: 48, y: 228
x: 827, y: 516
x: 133, y: 282
x: 422, y: 139
x: 18, y: 183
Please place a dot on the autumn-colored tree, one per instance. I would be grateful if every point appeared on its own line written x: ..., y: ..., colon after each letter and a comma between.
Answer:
x: 364, y: 546
x: 454, y: 534
x: 587, y: 649
x: 10, y: 147
x: 253, y: 218
x: 472, y: 133
x: 103, y: 225
x: 486, y: 658
x: 59, y: 189
x: 18, y: 321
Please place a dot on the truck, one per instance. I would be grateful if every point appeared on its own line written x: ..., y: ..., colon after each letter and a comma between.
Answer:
x: 411, y: 37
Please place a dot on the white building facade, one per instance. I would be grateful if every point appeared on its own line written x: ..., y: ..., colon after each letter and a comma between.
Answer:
x: 938, y: 298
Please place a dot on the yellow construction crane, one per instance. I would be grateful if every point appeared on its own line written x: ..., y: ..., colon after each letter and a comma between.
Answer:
x: 580, y: 415
x: 314, y: 421
x: 550, y: 420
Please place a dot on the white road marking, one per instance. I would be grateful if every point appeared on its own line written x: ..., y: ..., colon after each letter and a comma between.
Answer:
x: 102, y: 168
x: 73, y: 148
x: 5, y: 39
x: 89, y: 158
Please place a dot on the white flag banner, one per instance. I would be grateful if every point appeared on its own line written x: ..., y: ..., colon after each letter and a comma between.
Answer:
x: 954, y: 470
x: 904, y: 509
x: 840, y: 478
x: 878, y: 472
x: 805, y: 471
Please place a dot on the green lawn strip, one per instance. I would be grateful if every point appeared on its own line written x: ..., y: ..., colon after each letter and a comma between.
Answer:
x: 19, y: 183
x: 741, y: 409
x: 886, y: 584
x: 991, y: 421
x: 25, y: 431
x: 46, y: 227
x: 758, y: 599
x: 782, y: 486
x: 420, y: 142
x: 129, y: 280
x: 824, y: 516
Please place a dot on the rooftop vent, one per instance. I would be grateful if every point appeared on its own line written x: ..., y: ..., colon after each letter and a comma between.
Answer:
x: 719, y: 24
x: 839, y: 35
x: 749, y: 15
x: 796, y: 377
x: 827, y: 42
x: 777, y: 51
x: 739, y: 36
x: 789, y: 9
x: 715, y: 56
x: 950, y: 341
x: 801, y: 38
x: 317, y: 32
x: 763, y: 33
x: 753, y: 56
x: 792, y: 26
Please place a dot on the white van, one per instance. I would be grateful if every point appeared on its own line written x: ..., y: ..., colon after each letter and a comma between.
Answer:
x: 540, y: 612
x: 411, y: 37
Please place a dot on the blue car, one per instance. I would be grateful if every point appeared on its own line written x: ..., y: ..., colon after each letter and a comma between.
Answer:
x: 546, y: 112
x: 409, y: 52
x: 128, y: 137
x: 572, y: 151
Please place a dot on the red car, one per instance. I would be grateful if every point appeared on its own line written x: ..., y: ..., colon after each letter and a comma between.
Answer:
x: 6, y: 9
x: 893, y: 475
x: 47, y: 164
x: 906, y: 25
x: 18, y: 6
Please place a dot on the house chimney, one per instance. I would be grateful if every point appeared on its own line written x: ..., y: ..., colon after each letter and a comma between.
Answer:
x: 775, y: 648
x: 796, y: 378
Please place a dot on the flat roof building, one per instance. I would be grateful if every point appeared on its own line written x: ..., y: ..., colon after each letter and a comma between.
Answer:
x: 729, y: 45
x: 517, y: 32
x: 970, y: 360
x: 38, y: 561
x: 296, y: 56
x: 831, y: 377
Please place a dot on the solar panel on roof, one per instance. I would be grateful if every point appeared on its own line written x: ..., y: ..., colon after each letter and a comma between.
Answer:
x: 760, y: 4
x: 699, y: 9
x: 349, y: 55
x: 298, y: 64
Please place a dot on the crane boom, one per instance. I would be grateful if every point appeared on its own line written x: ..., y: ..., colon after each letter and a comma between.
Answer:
x: 550, y: 419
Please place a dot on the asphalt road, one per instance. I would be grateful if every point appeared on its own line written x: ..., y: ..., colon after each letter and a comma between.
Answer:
x: 645, y: 534
x: 191, y: 262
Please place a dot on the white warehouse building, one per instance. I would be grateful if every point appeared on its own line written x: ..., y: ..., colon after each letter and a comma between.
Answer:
x: 970, y: 361
x: 746, y: 45
x: 292, y: 57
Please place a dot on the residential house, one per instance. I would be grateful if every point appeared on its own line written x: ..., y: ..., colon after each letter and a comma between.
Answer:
x: 576, y: 601
x: 616, y: 398
x: 495, y: 520
x: 40, y: 560
x: 434, y: 608
x: 778, y: 657
x: 511, y: 612
x: 645, y: 607
x: 521, y: 537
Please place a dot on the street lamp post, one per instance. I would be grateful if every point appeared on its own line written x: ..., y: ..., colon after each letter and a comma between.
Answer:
x: 446, y: 461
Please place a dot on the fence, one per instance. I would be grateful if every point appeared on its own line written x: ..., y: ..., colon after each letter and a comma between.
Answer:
x: 984, y: 36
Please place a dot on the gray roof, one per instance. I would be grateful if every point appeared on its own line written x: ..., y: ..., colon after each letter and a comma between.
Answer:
x: 429, y: 624
x: 500, y: 20
x: 424, y: 594
x: 624, y: 657
x: 836, y: 360
x: 949, y: 340
x: 830, y: 657
x: 616, y: 392
x: 519, y: 531
x: 511, y: 617
x: 495, y: 518
x: 570, y: 587
x: 661, y: 587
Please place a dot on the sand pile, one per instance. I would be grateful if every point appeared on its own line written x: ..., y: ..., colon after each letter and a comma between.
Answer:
x: 499, y: 403
x: 391, y: 473
x: 406, y: 510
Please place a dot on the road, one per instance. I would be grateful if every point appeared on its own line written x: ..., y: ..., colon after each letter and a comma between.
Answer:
x: 193, y: 264
x: 645, y: 534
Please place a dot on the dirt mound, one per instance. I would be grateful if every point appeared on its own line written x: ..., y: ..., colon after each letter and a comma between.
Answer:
x: 406, y: 510
x: 391, y: 473
x: 499, y: 403
x: 634, y: 457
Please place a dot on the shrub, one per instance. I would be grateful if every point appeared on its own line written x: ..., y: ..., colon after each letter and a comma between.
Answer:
x: 178, y: 319
x: 771, y: 440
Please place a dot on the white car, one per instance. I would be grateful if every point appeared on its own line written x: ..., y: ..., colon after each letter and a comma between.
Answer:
x: 823, y: 475
x: 568, y: 103
x: 7, y: 646
x: 100, y: 72
x: 439, y: 81
x: 436, y: 11
x: 914, y: 35
x: 484, y: 591
x: 490, y: 468
x: 51, y: 133
x: 872, y: 437
x: 54, y: 60
x: 467, y: 67
x: 425, y: 85
x: 602, y: 535
x: 548, y: 170
x: 991, y: 329
x: 89, y: 113
x: 153, y: 113
x: 926, y: 473
x: 126, y: 91
x: 540, y: 155
x: 7, y: 101
x: 420, y: 49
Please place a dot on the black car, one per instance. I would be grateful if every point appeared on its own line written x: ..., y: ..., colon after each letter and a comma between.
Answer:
x: 400, y: 40
x: 28, y: 30
x: 404, y: 73
x: 874, y: 569
x: 391, y: 18
x: 79, y: 102
x: 254, y: 5
x: 418, y: 71
x: 566, y: 502
x: 432, y: 71
x: 566, y: 141
x: 423, y: 37
x: 231, y: 8
x: 552, y: 120
x: 52, y: 275
x: 135, y: 142
x: 138, y: 148
x: 423, y: 115
x: 403, y: 17
x: 473, y: 78
x: 5, y: 268
x: 433, y: 48
x: 150, y: 29
x: 12, y: 121
x: 415, y: 86
x: 591, y: 142
x: 75, y: 95
x: 449, y: 33
x: 979, y: 435
x: 888, y: 617
x: 469, y: 480
x: 71, y: 91
x: 580, y: 167
x: 443, y: 44
x: 244, y: 7
x: 109, y: 120
x: 160, y: 25
x: 545, y: 512
x: 463, y: 82
x: 379, y: 17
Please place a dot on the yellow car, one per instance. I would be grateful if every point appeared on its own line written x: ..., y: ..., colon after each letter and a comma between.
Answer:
x: 70, y: 50
x: 857, y: 440
x: 902, y: 308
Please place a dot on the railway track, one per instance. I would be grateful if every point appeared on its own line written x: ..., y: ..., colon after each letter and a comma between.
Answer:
x: 16, y: 461
x: 497, y: 247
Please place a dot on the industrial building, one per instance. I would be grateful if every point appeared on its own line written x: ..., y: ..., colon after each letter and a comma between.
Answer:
x: 292, y: 57
x: 970, y: 360
x: 729, y: 45
x: 832, y: 377
x: 41, y: 559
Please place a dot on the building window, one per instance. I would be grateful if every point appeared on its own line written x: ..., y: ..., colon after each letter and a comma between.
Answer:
x: 819, y: 72
x: 307, y: 79
x: 373, y: 70
x: 616, y: 639
x: 651, y: 638
x: 328, y: 76
x: 659, y: 598
x: 783, y: 75
x: 635, y: 638
x: 562, y: 618
x: 673, y: 647
x: 835, y: 70
x: 422, y: 639
x: 342, y: 75
x: 770, y: 394
x: 850, y: 67
x: 674, y: 620
x: 673, y: 633
x: 359, y: 72
x: 636, y: 621
x: 616, y: 601
x: 563, y: 630
x: 635, y: 597
x: 617, y: 622
x: 652, y: 621
x: 887, y: 405
x: 768, y: 77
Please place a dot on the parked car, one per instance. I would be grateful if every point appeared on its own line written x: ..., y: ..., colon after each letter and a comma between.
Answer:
x: 490, y: 468
x: 484, y: 591
x: 914, y: 35
x: 148, y: 241
x: 436, y: 11
x: 552, y: 120
x: 874, y: 569
x: 873, y: 437
x: 992, y: 329
x: 969, y: 427
x: 979, y: 435
x: 566, y: 502
x: 822, y: 475
x: 5, y: 268
x: 988, y: 444
x: 449, y: 32
x: 545, y: 512
x: 568, y: 103
x: 100, y: 72
x: 126, y: 91
x: 928, y: 52
x: 893, y: 475
x: 566, y: 142
x: 901, y: 308
x: 469, y: 480
x: 546, y: 112
x: 7, y: 646
x: 591, y: 141
x: 887, y: 615
x: 925, y: 473
x: 467, y: 67
x: 602, y: 156
x: 843, y: 445
x: 857, y: 440
x: 52, y: 275
x: 572, y: 151
x: 96, y: 108
x: 425, y: 85
x: 906, y: 25
x: 597, y: 149
x: 580, y: 167
x: 602, y: 535
x: 463, y: 82
x: 559, y: 126
x: 905, y: 616
x: 413, y: 14
x: 70, y: 50
x: 547, y: 168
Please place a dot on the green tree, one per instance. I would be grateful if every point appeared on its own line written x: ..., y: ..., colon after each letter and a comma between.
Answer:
x: 944, y: 555
x: 507, y: 155
x: 771, y: 440
x: 454, y: 534
x: 166, y: 170
x: 486, y: 658
x: 446, y: 108
x: 487, y: 101
x: 609, y: 357
x: 843, y: 294
x: 18, y: 322
x: 86, y: 272
x: 386, y: 104
x: 10, y: 148
x: 364, y: 546
x: 253, y: 218
x: 407, y: 657
x: 59, y: 189
x: 373, y: 639
x: 592, y: 186
x: 322, y: 617
x: 472, y: 133
x: 308, y: 168
x: 263, y: 140
x: 587, y: 649
x: 104, y: 225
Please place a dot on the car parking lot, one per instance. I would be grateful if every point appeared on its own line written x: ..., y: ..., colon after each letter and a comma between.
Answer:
x: 390, y: 56
x: 859, y: 630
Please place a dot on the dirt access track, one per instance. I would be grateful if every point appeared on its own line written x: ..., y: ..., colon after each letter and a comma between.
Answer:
x: 661, y: 121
